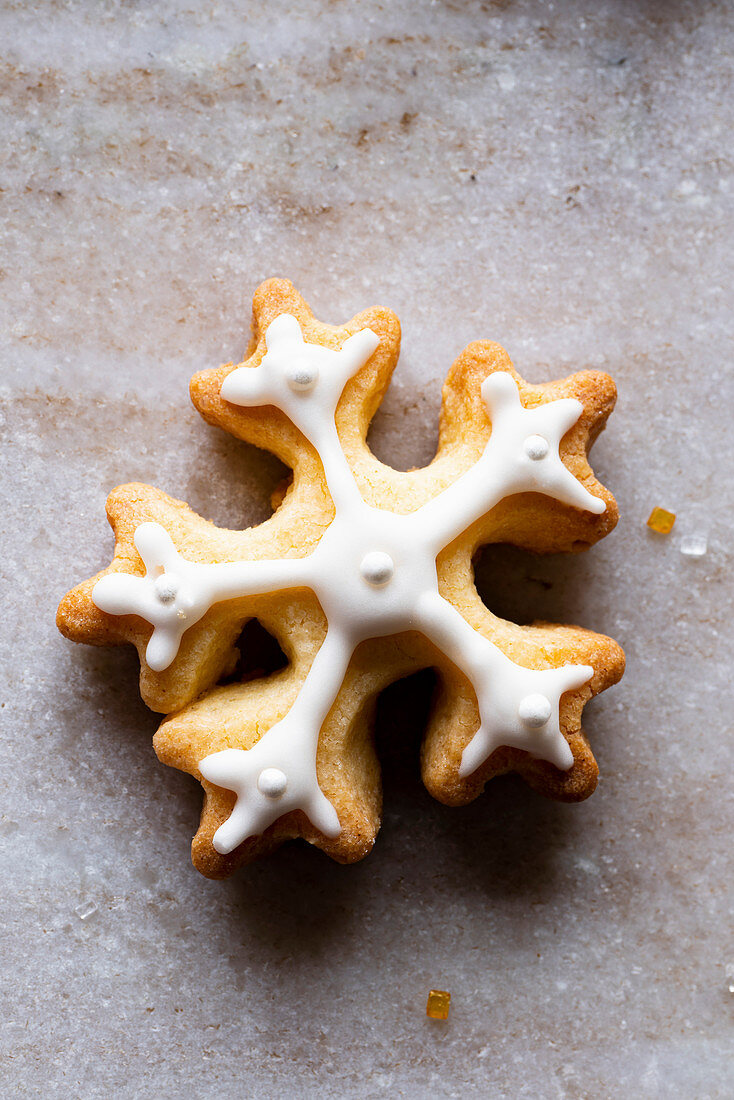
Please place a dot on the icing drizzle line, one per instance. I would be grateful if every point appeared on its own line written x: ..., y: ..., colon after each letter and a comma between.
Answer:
x: 374, y: 574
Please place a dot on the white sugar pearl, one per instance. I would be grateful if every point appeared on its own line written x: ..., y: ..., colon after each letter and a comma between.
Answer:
x: 302, y: 376
x: 534, y: 710
x: 166, y: 587
x: 536, y: 447
x: 377, y: 568
x: 272, y: 782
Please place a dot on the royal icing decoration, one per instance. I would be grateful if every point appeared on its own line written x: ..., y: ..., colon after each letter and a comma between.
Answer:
x: 374, y: 574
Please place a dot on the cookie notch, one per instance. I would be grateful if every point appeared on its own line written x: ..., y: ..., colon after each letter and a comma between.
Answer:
x: 364, y: 575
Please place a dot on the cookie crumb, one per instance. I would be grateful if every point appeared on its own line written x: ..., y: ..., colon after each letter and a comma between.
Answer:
x: 694, y: 546
x: 438, y: 1004
x: 661, y: 521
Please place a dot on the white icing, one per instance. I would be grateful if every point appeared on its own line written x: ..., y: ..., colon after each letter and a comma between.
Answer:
x: 290, y: 747
x: 175, y: 593
x: 374, y: 573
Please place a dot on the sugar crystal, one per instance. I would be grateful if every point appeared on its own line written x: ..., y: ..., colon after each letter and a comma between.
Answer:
x: 85, y: 910
x: 438, y: 1004
x: 693, y: 546
x: 661, y: 521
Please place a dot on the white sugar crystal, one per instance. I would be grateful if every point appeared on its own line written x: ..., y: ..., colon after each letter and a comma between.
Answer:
x: 85, y: 910
x: 693, y: 546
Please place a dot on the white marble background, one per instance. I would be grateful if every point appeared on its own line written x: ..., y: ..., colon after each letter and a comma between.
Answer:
x: 553, y: 175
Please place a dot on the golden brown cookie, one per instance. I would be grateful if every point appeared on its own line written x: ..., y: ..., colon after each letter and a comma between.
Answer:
x: 363, y: 574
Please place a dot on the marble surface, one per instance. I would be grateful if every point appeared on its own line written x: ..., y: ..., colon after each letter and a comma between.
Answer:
x: 554, y: 176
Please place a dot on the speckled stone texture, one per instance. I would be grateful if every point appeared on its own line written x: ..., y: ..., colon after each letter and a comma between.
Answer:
x: 553, y: 176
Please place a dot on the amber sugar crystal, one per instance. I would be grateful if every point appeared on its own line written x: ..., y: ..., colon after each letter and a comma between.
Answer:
x: 438, y: 1005
x: 661, y: 521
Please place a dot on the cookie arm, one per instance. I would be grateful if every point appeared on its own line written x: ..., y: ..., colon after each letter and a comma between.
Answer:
x: 175, y: 593
x: 518, y: 706
x: 278, y: 774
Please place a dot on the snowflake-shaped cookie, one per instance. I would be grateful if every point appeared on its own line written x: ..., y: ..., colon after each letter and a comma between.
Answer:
x: 364, y: 574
